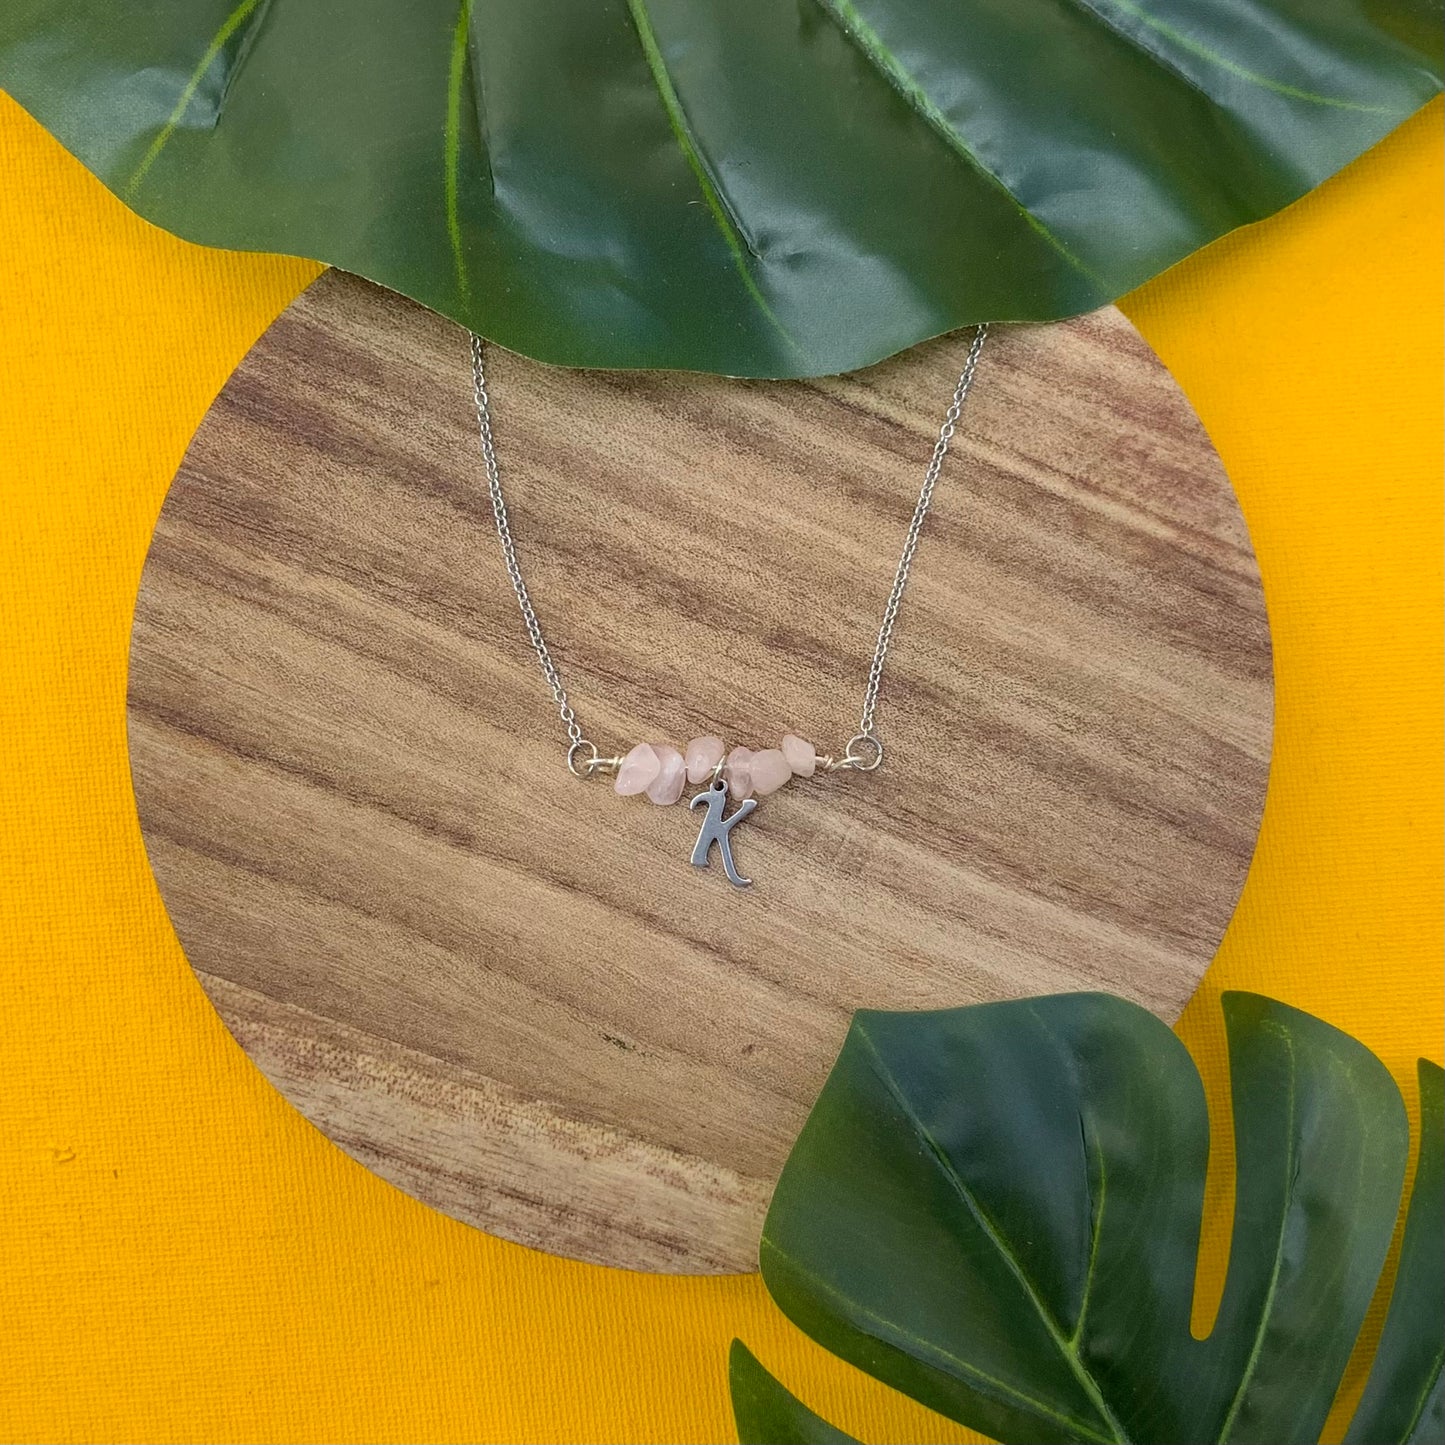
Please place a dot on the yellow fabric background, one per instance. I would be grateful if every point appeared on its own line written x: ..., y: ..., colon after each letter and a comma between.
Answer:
x: 183, y: 1258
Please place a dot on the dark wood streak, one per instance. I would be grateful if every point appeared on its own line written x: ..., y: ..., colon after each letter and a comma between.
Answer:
x: 505, y: 990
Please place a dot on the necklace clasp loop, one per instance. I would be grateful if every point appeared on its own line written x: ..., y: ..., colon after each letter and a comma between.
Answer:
x: 865, y: 761
x: 582, y: 759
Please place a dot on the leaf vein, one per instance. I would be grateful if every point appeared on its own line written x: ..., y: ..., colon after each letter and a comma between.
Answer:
x: 1431, y: 1379
x: 1198, y: 48
x: 727, y: 222
x: 890, y: 1332
x: 229, y: 26
x: 1257, y: 1347
x: 456, y: 74
x: 1098, y: 1229
x: 870, y: 45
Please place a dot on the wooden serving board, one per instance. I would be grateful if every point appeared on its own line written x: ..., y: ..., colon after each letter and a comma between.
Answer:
x: 506, y: 990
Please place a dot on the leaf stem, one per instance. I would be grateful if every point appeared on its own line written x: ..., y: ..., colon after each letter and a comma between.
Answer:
x: 1066, y: 1348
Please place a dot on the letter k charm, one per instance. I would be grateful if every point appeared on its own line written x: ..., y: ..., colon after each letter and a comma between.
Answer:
x: 716, y: 828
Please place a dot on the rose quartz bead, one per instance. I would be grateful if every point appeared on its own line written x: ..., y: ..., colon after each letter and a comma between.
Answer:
x: 769, y: 770
x: 738, y: 771
x: 801, y: 756
x: 703, y: 755
x: 639, y: 768
x: 666, y: 787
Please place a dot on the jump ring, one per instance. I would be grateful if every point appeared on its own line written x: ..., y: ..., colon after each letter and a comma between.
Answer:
x: 584, y: 768
x: 864, y: 762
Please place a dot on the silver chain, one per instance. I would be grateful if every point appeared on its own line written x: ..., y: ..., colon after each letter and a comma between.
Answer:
x: 582, y: 755
x: 509, y: 552
x: 865, y: 733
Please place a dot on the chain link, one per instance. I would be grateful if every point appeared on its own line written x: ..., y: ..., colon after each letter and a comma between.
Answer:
x: 865, y: 750
x: 514, y: 569
x: 866, y: 732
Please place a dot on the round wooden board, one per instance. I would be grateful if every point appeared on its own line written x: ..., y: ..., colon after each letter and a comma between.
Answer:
x: 506, y: 990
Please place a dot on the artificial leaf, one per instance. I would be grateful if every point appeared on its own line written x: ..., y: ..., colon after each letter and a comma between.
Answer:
x: 768, y: 1414
x: 1404, y: 1398
x: 760, y: 187
x: 997, y: 1210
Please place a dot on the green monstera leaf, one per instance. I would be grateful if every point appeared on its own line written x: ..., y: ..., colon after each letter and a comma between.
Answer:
x: 1404, y: 1399
x: 765, y: 1411
x: 758, y: 187
x: 997, y: 1210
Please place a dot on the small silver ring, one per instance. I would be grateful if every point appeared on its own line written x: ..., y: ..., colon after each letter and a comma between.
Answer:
x: 863, y: 762
x: 585, y: 768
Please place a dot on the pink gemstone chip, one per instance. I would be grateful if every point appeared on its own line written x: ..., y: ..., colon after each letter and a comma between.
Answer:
x: 666, y: 787
x: 769, y: 770
x: 703, y: 755
x: 802, y: 758
x: 638, y: 771
x: 738, y: 771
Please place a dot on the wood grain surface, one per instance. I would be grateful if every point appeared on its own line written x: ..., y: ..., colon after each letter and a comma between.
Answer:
x: 506, y: 990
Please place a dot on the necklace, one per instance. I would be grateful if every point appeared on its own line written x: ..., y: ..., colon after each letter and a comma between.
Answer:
x: 659, y: 771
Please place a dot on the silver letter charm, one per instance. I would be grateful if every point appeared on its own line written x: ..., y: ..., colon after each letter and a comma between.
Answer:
x: 715, y: 829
